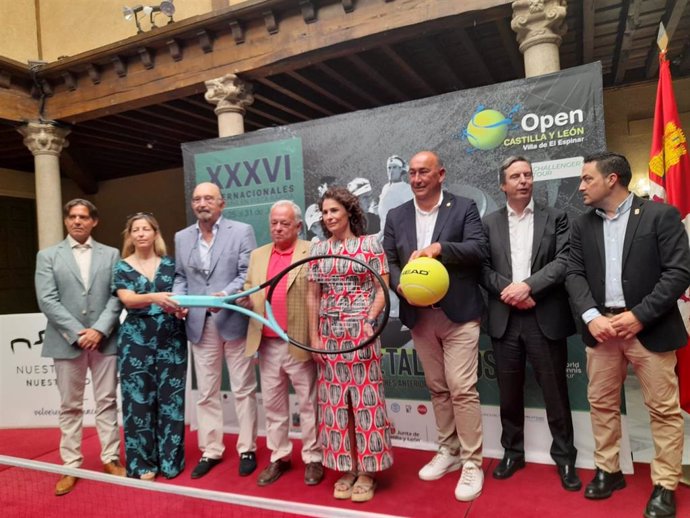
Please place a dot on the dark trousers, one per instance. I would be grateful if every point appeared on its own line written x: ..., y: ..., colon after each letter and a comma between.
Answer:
x: 523, y: 340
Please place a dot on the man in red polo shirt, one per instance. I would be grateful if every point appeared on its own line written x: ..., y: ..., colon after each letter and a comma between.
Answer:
x: 280, y: 362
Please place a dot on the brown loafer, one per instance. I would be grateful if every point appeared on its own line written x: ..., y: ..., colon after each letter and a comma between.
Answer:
x: 115, y: 468
x: 313, y: 473
x: 272, y: 472
x: 65, y: 485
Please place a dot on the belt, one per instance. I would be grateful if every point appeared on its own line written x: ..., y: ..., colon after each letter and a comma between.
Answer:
x: 614, y: 311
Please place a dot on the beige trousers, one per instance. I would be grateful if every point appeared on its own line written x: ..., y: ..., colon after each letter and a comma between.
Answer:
x: 450, y: 356
x: 208, y: 362
x: 607, y: 364
x: 278, y: 368
x: 71, y: 378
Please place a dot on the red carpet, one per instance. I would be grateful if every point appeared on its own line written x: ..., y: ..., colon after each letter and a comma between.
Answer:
x: 534, y: 491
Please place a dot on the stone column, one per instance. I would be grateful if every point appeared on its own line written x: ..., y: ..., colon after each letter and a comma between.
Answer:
x: 540, y: 25
x: 46, y: 141
x: 231, y: 95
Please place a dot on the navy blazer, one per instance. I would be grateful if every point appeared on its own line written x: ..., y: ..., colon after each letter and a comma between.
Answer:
x: 550, y: 249
x: 655, y: 271
x: 463, y: 247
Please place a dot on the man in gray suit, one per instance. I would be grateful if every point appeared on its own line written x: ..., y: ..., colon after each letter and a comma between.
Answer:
x: 73, y: 281
x: 212, y: 258
x: 529, y: 317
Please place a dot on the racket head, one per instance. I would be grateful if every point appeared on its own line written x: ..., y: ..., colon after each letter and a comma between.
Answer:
x: 351, y: 285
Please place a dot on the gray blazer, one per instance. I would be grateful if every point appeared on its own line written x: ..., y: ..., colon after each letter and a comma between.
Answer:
x: 69, y: 306
x: 229, y: 263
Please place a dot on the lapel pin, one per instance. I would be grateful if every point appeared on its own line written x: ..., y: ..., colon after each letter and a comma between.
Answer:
x: 448, y: 204
x: 637, y: 211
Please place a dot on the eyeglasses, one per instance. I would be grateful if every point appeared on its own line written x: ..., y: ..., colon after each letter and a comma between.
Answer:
x: 207, y: 199
x: 140, y: 214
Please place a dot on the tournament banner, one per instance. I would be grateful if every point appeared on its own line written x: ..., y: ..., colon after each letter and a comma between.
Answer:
x: 553, y: 120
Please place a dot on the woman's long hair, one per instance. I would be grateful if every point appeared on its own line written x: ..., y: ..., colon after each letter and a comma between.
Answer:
x: 159, y: 247
x: 356, y: 217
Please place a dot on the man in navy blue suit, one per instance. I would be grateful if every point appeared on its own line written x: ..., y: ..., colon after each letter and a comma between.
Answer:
x: 438, y: 224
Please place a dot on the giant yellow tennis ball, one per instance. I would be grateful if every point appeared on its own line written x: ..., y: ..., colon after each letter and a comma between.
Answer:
x: 424, y: 281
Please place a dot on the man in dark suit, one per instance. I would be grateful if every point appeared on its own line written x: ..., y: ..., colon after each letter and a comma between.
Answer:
x: 73, y: 288
x: 529, y: 316
x: 629, y: 263
x: 211, y: 258
x: 446, y: 227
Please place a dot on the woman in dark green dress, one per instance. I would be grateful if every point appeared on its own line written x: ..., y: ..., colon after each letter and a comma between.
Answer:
x: 152, y: 353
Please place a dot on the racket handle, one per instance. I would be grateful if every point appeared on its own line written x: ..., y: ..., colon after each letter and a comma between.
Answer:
x: 199, y: 301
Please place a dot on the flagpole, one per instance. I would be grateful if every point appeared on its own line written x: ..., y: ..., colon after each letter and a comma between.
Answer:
x: 662, y: 42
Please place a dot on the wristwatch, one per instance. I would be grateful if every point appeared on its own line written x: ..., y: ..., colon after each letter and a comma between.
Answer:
x: 371, y: 321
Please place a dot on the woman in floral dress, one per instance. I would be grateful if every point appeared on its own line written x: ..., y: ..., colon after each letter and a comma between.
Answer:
x: 152, y: 354
x: 353, y: 424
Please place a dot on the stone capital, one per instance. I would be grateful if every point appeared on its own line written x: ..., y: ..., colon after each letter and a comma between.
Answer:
x: 539, y: 21
x: 229, y: 93
x: 44, y: 138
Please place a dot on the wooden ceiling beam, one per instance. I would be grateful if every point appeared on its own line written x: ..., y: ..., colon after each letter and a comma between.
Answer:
x: 297, y: 76
x: 268, y: 116
x: 588, y: 31
x: 348, y: 84
x: 130, y: 137
x: 478, y: 66
x: 192, y: 114
x: 281, y: 107
x: 272, y: 85
x: 100, y: 141
x: 407, y: 71
x: 510, y: 44
x: 684, y: 66
x: 671, y: 19
x: 72, y: 169
x: 629, y: 22
x: 376, y: 77
x: 334, y: 33
x: 431, y: 48
x: 17, y: 106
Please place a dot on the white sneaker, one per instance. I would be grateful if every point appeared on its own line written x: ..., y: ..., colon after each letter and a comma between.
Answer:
x: 470, y: 484
x: 442, y: 463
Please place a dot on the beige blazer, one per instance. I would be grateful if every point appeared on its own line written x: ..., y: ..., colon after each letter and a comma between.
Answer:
x: 296, y: 298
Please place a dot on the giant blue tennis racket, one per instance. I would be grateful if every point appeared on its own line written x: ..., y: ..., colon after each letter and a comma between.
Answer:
x: 352, y: 310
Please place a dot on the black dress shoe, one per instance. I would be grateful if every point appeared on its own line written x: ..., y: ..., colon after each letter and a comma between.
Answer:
x: 313, y: 473
x: 205, y: 465
x: 508, y: 466
x: 569, y: 479
x: 272, y: 472
x: 662, y: 504
x: 247, y: 463
x: 604, y: 484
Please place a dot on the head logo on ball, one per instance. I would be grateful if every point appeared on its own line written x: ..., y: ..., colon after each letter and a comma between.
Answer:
x: 424, y: 281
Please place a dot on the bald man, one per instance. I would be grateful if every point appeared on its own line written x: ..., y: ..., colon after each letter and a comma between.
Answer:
x: 211, y: 258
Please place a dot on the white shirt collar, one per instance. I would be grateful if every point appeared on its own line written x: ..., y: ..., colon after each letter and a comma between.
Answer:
x: 528, y: 209
x: 74, y: 243
x: 433, y: 209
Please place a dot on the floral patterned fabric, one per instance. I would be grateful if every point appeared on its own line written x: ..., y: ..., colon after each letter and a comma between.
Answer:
x: 152, y: 357
x: 351, y: 379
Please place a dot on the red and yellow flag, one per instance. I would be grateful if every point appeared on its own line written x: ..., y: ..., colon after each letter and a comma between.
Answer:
x: 669, y: 178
